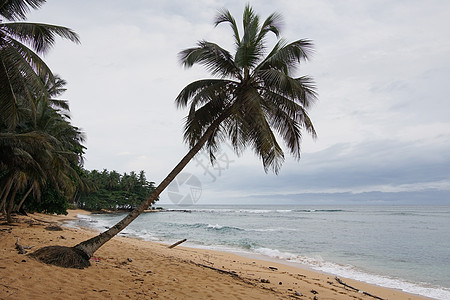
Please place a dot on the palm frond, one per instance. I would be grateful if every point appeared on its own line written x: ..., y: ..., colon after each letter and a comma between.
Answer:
x: 16, y: 93
x: 301, y: 90
x: 216, y: 60
x: 258, y: 132
x: 286, y: 57
x: 288, y: 119
x: 17, y: 9
x: 224, y: 16
x: 271, y: 24
x: 21, y: 67
x: 54, y: 85
x: 237, y: 133
x: 249, y: 50
x: 250, y: 20
x: 40, y: 37
x: 202, y: 90
x: 61, y: 104
x: 198, y: 120
x: 28, y: 61
x: 8, y: 100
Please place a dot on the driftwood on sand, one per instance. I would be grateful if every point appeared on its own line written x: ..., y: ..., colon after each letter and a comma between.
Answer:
x: 22, y: 248
x: 219, y: 270
x: 177, y: 243
x: 358, y: 290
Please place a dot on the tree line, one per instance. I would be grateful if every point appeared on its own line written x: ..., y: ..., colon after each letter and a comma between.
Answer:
x: 113, y: 191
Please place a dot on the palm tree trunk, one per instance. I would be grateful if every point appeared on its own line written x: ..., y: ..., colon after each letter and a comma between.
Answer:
x: 5, y: 194
x: 90, y: 246
x: 11, y: 204
x: 1, y: 199
x: 24, y: 198
x: 3, y: 191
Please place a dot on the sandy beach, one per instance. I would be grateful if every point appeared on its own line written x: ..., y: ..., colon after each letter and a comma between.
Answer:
x: 127, y: 268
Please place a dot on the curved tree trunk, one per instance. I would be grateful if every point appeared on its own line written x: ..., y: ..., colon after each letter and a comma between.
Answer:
x: 5, y: 194
x: 2, y: 192
x: 19, y: 206
x: 90, y: 246
x: 9, y: 209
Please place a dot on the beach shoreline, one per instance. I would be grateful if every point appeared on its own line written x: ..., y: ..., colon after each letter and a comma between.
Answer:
x: 127, y: 268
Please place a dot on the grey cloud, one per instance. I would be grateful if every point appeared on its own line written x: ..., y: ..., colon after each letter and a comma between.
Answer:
x: 376, y: 167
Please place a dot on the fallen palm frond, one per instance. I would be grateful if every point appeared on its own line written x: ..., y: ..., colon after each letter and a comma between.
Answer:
x: 61, y: 256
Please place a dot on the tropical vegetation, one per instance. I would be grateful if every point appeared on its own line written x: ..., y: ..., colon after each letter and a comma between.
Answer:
x: 22, y: 71
x: 112, y: 191
x: 40, y: 150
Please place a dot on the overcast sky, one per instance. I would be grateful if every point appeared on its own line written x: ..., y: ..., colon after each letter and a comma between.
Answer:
x: 382, y: 70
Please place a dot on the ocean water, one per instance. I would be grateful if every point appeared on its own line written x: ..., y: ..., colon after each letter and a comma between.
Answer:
x: 406, y: 248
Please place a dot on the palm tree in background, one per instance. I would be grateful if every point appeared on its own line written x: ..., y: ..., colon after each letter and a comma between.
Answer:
x: 252, y: 100
x: 21, y: 67
x: 37, y: 142
x: 42, y: 151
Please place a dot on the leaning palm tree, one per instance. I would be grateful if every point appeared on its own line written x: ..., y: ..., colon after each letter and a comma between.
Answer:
x: 253, y: 100
x: 21, y: 67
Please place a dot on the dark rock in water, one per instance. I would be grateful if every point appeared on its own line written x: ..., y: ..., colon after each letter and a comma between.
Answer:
x: 177, y: 210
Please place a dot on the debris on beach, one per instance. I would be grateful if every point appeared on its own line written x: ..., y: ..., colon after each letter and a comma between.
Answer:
x: 53, y: 228
x: 22, y: 248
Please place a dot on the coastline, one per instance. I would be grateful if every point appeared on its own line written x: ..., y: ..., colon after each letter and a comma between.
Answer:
x: 132, y: 268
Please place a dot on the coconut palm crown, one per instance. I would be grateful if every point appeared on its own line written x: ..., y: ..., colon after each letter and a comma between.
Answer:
x: 255, y: 96
x: 21, y: 67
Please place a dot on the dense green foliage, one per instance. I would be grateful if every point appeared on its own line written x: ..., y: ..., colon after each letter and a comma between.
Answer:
x: 40, y: 150
x: 51, y: 202
x: 113, y: 191
x: 23, y: 73
x: 41, y: 158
